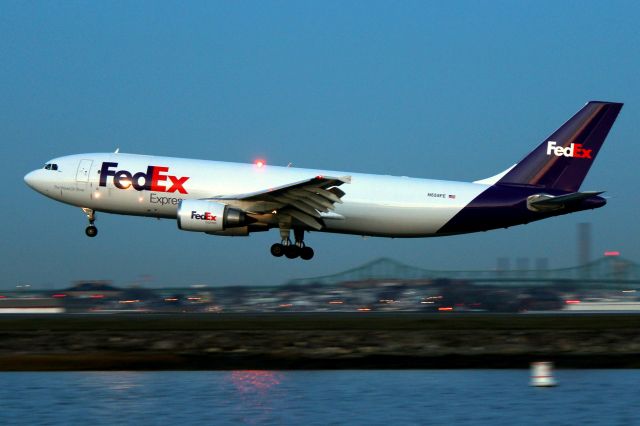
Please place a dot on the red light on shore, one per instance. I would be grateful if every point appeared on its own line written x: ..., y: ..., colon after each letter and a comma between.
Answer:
x: 611, y: 253
x: 59, y: 295
x: 571, y: 302
x: 445, y: 308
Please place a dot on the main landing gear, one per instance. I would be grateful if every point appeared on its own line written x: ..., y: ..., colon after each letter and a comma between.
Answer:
x: 91, y: 230
x: 292, y: 250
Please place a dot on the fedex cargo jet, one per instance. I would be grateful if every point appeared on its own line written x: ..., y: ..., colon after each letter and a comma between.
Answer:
x: 231, y: 199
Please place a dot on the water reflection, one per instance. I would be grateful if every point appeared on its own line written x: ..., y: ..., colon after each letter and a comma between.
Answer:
x: 257, y: 391
x: 121, y: 381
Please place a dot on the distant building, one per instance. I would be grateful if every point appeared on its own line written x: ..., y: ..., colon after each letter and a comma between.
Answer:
x: 92, y: 289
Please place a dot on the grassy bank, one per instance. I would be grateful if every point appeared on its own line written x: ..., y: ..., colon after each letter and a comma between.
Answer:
x: 310, y: 341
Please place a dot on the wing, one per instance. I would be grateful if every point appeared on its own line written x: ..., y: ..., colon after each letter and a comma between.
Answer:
x: 308, y: 201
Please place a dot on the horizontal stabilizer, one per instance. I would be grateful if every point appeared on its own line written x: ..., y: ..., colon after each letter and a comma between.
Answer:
x: 541, y: 202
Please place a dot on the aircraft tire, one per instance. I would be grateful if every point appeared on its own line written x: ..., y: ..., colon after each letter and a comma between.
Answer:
x: 292, y: 251
x: 277, y: 250
x: 91, y: 231
x: 306, y: 253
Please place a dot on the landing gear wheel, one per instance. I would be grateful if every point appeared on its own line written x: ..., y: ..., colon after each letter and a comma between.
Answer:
x: 277, y: 250
x: 292, y: 251
x: 91, y: 231
x: 306, y: 253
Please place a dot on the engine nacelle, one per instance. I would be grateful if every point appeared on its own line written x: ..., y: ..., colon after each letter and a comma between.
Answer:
x: 240, y: 231
x: 209, y: 216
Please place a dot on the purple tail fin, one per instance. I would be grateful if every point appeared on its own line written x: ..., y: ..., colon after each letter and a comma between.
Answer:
x: 564, y: 158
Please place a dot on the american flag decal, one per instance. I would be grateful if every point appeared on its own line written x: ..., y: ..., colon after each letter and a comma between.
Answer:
x: 452, y: 196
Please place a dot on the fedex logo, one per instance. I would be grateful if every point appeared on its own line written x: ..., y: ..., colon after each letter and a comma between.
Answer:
x: 574, y: 150
x: 206, y: 216
x: 153, y: 180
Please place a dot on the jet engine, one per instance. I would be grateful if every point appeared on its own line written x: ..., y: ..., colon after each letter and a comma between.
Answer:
x: 209, y: 216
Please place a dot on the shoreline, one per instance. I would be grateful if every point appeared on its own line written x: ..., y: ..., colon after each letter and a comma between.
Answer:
x: 291, y: 341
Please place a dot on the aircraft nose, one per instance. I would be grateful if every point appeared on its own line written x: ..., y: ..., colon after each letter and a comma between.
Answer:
x: 30, y: 178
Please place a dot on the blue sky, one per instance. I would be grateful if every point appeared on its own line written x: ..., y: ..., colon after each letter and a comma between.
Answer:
x: 450, y: 91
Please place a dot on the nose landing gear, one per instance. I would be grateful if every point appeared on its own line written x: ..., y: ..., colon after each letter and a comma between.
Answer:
x: 91, y: 230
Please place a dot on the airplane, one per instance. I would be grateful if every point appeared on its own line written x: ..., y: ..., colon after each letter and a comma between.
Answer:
x: 234, y: 199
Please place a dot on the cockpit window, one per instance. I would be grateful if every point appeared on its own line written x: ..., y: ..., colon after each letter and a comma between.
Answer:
x: 47, y: 166
x: 51, y: 166
x: 54, y: 167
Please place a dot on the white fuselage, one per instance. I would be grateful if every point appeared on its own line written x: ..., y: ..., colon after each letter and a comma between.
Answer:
x: 376, y: 205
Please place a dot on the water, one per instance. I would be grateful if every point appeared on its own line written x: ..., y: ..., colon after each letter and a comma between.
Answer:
x: 319, y: 397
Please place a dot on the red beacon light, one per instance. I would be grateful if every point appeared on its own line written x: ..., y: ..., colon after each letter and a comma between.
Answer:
x: 260, y: 163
